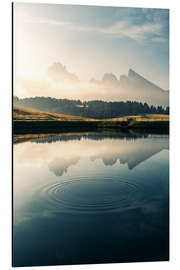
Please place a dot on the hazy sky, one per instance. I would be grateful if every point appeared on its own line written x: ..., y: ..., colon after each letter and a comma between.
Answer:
x: 89, y: 41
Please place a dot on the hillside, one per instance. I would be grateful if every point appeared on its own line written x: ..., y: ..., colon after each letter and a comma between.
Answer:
x: 143, y: 118
x: 34, y: 115
x: 27, y: 114
x: 96, y: 109
x: 27, y: 121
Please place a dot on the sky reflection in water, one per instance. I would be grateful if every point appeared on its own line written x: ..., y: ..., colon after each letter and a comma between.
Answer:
x: 91, y: 199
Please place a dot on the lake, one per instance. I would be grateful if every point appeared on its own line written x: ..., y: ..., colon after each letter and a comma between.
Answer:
x: 91, y: 198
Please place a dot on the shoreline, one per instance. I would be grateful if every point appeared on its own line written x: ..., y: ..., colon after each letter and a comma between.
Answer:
x: 45, y: 127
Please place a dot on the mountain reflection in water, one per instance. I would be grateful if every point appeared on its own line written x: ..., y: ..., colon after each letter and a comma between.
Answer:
x: 91, y: 198
x: 130, y: 149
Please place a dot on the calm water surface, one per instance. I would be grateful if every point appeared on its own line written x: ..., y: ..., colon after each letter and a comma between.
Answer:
x: 91, y: 199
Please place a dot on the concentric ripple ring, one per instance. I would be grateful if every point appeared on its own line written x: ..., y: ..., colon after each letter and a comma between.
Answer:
x: 91, y: 196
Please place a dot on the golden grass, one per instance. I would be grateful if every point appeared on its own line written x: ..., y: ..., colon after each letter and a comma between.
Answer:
x: 145, y: 118
x: 27, y: 114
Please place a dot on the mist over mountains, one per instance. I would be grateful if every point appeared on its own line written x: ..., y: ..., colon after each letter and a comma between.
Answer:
x: 58, y: 73
x: 61, y: 83
x: 106, y: 98
x: 134, y: 87
x: 109, y: 97
x: 131, y: 87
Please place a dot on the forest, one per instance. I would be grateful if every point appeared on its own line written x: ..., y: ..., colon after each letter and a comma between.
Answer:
x: 96, y: 109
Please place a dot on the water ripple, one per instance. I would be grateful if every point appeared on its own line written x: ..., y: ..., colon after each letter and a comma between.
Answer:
x: 84, y: 195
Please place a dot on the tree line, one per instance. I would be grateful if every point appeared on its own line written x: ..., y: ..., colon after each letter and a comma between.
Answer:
x: 97, y: 109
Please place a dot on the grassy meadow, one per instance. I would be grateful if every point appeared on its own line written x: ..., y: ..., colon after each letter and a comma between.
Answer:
x: 33, y: 121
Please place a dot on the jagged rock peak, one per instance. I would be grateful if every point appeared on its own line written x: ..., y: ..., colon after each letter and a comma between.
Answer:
x: 109, y: 77
x: 133, y: 74
x: 144, y: 82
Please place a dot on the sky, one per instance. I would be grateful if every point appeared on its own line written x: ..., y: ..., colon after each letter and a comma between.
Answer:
x: 58, y: 49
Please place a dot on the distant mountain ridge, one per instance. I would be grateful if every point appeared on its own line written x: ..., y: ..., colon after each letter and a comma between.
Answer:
x: 141, y: 89
x: 135, y: 76
x: 133, y: 87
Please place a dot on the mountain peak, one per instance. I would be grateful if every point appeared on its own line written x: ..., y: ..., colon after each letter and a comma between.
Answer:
x: 133, y: 74
x: 138, y: 78
x: 109, y: 77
